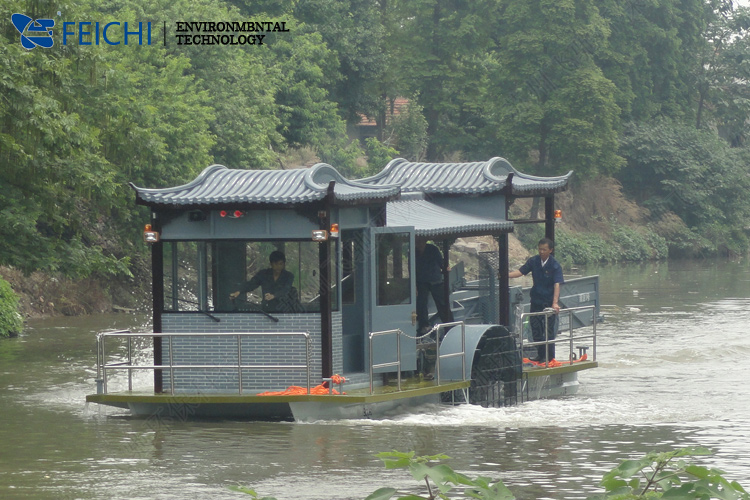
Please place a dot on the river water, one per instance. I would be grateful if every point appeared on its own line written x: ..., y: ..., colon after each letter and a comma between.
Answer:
x: 674, y: 367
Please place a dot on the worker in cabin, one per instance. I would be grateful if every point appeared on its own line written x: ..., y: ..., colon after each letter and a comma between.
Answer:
x: 275, y: 284
x: 547, y: 277
x: 430, y: 268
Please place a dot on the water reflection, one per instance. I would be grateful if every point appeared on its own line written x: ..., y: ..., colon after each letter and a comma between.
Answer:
x: 673, y: 354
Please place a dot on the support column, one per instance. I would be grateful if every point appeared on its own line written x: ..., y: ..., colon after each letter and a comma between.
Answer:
x: 157, y: 293
x: 326, y: 319
x: 549, y: 217
x: 446, y: 278
x: 503, y: 282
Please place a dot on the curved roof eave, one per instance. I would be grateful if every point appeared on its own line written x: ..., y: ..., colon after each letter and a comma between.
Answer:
x: 218, y: 185
x: 465, y: 178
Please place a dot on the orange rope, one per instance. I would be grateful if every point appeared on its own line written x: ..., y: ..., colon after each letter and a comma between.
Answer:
x: 554, y: 363
x: 295, y: 390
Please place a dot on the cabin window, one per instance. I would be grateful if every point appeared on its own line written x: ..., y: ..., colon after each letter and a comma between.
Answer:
x: 393, y: 276
x: 205, y: 276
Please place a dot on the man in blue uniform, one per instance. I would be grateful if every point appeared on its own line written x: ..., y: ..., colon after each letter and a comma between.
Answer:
x: 275, y: 284
x: 545, y: 292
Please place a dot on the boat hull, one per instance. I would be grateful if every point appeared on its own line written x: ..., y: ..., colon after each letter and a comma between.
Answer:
x: 536, y: 383
x: 300, y: 408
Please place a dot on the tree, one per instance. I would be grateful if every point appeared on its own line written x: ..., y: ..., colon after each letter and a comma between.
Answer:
x: 692, y: 173
x: 437, y: 50
x: 723, y: 75
x: 552, y: 107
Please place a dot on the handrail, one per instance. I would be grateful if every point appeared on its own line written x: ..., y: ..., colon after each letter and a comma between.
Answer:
x: 102, y: 367
x: 437, y: 328
x: 439, y: 356
x: 569, y: 311
x: 396, y: 363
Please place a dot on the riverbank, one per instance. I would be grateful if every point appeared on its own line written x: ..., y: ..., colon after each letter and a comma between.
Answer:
x: 43, y: 295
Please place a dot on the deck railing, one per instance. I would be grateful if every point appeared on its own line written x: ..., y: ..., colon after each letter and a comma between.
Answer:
x: 572, y: 339
x: 103, y: 367
x: 397, y: 363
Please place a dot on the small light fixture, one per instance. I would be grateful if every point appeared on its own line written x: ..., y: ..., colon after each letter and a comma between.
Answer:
x: 150, y: 236
x: 334, y: 231
x: 558, y: 215
x: 319, y: 235
x: 234, y: 214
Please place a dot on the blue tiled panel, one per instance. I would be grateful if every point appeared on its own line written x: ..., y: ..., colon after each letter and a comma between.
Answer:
x: 263, y: 350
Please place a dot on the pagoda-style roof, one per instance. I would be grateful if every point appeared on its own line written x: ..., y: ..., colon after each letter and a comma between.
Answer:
x: 465, y: 178
x: 218, y: 184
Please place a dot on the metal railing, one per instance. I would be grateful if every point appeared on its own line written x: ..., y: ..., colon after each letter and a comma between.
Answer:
x: 397, y: 364
x: 548, y: 313
x: 102, y: 367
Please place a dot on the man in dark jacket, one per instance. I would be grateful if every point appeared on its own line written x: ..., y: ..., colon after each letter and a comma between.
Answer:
x: 430, y: 270
x: 545, y: 292
x: 275, y: 284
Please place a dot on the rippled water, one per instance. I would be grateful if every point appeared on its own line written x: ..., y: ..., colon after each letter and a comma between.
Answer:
x: 673, y: 372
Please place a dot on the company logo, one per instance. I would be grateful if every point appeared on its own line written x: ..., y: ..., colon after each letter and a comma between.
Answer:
x: 39, y: 32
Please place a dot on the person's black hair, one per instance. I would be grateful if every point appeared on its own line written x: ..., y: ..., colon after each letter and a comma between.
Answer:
x: 546, y: 241
x: 276, y: 256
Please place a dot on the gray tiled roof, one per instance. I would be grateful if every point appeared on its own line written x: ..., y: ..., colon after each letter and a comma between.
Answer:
x: 218, y: 184
x: 432, y: 220
x: 474, y: 178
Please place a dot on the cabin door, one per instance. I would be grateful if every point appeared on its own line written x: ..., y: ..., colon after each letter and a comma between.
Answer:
x: 392, y: 294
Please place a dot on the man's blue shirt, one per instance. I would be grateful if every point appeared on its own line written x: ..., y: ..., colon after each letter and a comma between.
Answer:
x: 542, y: 291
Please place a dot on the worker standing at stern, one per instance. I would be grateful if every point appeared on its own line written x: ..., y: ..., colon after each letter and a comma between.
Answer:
x: 547, y: 277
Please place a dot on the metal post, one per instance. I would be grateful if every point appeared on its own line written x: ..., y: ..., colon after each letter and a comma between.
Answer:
x: 104, y: 371
x: 371, y: 363
x: 463, y: 350
x: 130, y: 363
x: 308, y: 344
x: 239, y: 362
x: 171, y: 366
x: 570, y: 332
x: 546, y: 339
x: 398, y: 353
x: 593, y: 323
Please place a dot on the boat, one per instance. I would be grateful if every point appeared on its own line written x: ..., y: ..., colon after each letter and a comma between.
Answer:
x: 342, y: 343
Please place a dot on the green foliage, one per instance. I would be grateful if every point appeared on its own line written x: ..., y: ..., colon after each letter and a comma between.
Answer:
x: 553, y: 109
x: 667, y: 475
x: 634, y: 245
x: 378, y: 155
x: 11, y: 322
x: 251, y: 492
x: 673, y: 168
x: 582, y: 248
x: 657, y: 475
x: 439, y: 479
x: 410, y: 129
x: 622, y: 244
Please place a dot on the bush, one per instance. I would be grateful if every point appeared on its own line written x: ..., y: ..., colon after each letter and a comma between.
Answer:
x: 11, y: 322
x: 582, y: 248
x: 625, y: 243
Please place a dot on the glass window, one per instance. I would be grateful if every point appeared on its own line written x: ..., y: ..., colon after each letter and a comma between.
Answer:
x: 225, y: 276
x: 393, y: 276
